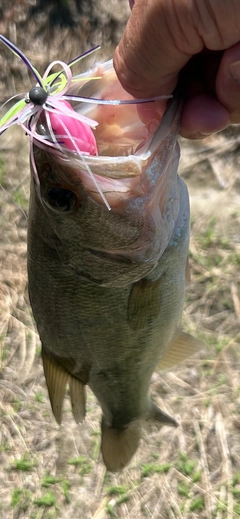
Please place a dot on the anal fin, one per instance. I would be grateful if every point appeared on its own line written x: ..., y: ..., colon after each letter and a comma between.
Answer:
x: 119, y: 445
x: 182, y: 346
x: 78, y: 399
x: 56, y: 380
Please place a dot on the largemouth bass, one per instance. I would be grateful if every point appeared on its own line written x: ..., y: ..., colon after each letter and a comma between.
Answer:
x: 108, y: 246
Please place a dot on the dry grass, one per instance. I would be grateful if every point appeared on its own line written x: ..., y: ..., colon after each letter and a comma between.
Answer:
x: 192, y: 472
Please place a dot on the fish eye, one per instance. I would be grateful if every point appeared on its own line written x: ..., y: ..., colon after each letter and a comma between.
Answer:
x: 61, y: 199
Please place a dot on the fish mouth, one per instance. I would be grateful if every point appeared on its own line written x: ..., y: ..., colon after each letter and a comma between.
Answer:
x: 134, y: 175
x: 123, y: 129
x: 124, y: 136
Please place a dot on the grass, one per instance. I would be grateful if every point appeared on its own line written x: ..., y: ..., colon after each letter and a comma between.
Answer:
x: 39, y: 397
x: 21, y: 199
x: 154, y: 468
x: 83, y: 464
x: 50, y: 480
x: 2, y: 170
x: 186, y: 465
x: 197, y: 504
x: 51, y: 472
x: 46, y: 500
x: 24, y: 464
x: 116, y: 490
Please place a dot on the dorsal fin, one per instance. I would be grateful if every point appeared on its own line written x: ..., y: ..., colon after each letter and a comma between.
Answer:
x: 119, y: 445
x: 182, y: 346
x: 78, y: 399
x: 56, y: 380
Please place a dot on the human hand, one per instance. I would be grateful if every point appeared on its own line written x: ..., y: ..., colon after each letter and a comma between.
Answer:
x: 200, y: 39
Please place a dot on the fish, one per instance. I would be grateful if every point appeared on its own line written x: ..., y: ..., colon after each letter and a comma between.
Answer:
x: 108, y: 242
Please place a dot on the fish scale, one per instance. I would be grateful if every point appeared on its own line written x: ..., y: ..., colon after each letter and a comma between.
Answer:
x: 107, y: 287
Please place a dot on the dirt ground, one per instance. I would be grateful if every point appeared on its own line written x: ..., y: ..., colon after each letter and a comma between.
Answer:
x: 52, y: 472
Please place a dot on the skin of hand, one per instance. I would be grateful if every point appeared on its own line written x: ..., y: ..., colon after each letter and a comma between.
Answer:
x: 198, y: 40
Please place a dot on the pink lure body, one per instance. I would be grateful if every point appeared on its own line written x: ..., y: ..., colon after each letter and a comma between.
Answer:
x: 81, y: 133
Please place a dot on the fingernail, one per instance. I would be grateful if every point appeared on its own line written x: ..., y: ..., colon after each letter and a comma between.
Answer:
x: 197, y: 135
x: 200, y: 135
x: 234, y: 69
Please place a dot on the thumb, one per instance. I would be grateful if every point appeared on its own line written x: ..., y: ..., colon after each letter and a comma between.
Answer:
x: 147, y: 60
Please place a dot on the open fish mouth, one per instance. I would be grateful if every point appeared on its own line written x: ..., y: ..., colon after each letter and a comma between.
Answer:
x: 132, y: 171
x: 124, y: 131
x: 103, y: 151
x: 104, y: 133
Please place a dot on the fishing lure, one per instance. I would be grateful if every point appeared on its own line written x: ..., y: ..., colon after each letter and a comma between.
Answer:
x: 47, y: 104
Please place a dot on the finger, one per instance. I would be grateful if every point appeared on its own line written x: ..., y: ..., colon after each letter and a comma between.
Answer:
x: 147, y: 60
x: 228, y: 82
x: 202, y: 116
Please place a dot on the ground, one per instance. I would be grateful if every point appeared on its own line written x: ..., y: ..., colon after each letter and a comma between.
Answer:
x: 49, y: 472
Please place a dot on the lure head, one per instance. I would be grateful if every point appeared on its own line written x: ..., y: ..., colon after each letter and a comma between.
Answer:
x: 37, y: 95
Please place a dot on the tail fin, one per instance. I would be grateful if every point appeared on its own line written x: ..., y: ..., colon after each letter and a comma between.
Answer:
x: 119, y: 445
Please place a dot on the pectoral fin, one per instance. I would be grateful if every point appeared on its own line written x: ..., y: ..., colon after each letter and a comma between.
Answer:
x: 56, y: 380
x: 181, y: 347
x: 144, y: 303
x: 78, y: 399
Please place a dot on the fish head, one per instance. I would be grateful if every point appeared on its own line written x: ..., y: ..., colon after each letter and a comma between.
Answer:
x: 111, y: 215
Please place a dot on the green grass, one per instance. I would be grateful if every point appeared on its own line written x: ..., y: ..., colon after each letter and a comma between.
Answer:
x: 95, y: 444
x: 185, y: 465
x: 21, y: 499
x: 197, y: 504
x: 196, y: 476
x: 50, y: 480
x: 207, y: 237
x: 148, y: 469
x: 48, y: 499
x: 83, y: 463
x: 215, y: 252
x: 184, y: 490
x: 77, y: 461
x: 116, y: 490
x: 110, y: 510
x: 65, y: 490
x: 236, y: 479
x: 20, y: 198
x: 211, y: 238
x: 5, y: 446
x: 4, y: 350
x: 237, y: 509
x: 24, y: 464
x: 2, y: 171
x: 39, y: 397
